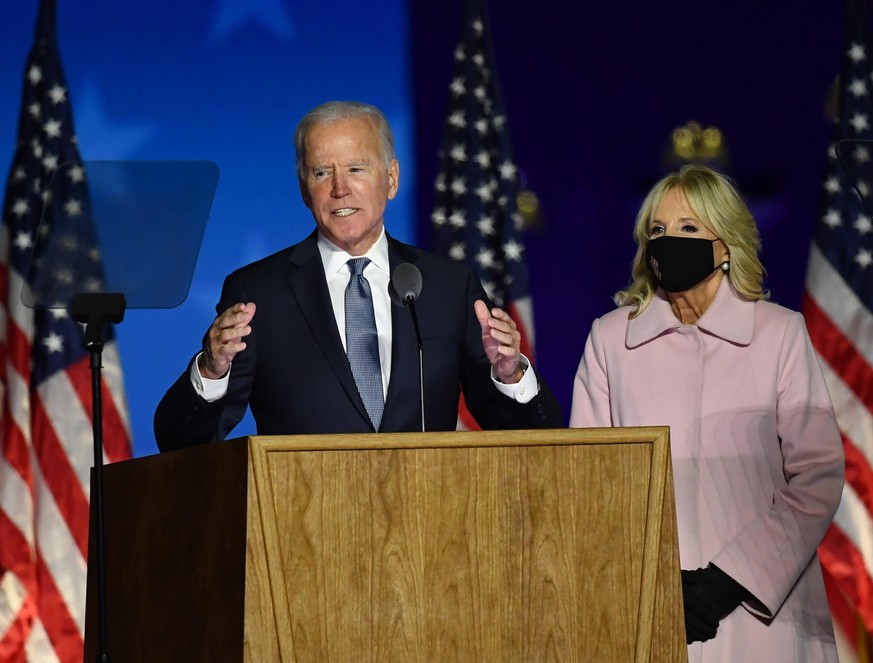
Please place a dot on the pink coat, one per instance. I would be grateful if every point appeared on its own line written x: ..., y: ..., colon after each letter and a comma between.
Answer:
x: 757, y: 457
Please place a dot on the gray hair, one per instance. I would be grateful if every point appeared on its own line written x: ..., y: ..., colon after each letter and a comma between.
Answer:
x: 335, y: 111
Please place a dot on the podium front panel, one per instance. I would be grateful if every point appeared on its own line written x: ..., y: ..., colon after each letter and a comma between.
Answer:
x: 503, y: 547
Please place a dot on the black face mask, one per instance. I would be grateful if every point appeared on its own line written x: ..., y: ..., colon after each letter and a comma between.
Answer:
x: 680, y: 263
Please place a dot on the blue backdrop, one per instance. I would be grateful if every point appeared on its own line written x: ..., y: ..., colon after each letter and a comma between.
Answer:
x: 221, y: 80
x: 592, y: 94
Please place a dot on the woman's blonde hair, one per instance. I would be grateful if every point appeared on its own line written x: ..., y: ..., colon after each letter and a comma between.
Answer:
x: 715, y: 201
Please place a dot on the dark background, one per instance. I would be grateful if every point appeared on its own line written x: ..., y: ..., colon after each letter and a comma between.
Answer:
x: 592, y: 94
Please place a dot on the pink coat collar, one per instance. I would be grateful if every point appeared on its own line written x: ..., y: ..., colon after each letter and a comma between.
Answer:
x: 728, y: 317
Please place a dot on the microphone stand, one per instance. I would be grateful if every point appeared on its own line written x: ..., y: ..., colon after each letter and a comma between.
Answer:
x: 95, y: 310
x: 410, y: 302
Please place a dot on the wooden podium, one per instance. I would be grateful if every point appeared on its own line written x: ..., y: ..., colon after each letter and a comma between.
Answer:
x: 505, y: 546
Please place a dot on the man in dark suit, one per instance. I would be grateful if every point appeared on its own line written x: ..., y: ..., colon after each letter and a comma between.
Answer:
x: 280, y: 341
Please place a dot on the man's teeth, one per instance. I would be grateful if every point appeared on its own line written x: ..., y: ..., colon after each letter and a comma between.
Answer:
x: 345, y: 211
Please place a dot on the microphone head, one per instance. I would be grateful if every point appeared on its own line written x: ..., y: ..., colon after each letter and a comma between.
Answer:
x: 405, y: 284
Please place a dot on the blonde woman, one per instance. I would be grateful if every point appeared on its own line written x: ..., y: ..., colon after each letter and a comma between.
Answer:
x: 757, y: 458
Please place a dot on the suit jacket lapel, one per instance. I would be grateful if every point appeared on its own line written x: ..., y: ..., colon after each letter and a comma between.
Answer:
x: 306, y: 278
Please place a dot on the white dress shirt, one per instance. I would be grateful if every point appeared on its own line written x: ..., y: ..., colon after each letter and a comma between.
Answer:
x: 378, y: 273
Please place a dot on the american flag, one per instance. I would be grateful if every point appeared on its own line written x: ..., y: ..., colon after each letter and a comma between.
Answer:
x: 45, y: 386
x: 838, y: 306
x: 475, y: 216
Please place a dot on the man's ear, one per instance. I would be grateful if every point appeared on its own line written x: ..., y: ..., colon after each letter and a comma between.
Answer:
x: 393, y: 179
x: 304, y: 194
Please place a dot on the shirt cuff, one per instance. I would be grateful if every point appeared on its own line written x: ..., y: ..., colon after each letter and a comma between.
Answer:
x: 522, y: 391
x: 208, y: 390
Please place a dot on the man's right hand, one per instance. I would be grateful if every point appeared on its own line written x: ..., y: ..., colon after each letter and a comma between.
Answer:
x: 225, y: 339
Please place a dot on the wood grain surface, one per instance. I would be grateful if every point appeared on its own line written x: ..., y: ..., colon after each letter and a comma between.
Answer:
x: 485, y: 547
x: 525, y: 547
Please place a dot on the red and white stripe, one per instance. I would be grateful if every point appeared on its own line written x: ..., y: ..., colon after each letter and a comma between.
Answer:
x: 841, y: 328
x: 47, y: 455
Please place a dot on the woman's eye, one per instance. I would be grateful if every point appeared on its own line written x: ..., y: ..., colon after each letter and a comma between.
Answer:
x: 657, y: 230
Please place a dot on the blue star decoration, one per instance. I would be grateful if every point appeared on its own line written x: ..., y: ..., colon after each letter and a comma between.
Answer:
x: 272, y: 16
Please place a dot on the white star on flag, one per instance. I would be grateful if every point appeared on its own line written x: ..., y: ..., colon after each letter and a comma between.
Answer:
x: 50, y: 162
x: 58, y: 94
x: 508, y: 170
x: 859, y: 122
x: 73, y: 207
x: 53, y: 342
x: 485, y: 225
x: 485, y: 258
x: 76, y: 174
x: 832, y: 218
x: 484, y: 192
x: 20, y: 207
x: 52, y: 128
x: 23, y: 241
x: 512, y: 249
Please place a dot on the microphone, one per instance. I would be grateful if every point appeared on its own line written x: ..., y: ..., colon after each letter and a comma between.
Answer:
x: 405, y: 284
x: 404, y: 289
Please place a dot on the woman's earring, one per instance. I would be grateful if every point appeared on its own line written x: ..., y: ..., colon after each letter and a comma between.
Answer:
x: 725, y: 266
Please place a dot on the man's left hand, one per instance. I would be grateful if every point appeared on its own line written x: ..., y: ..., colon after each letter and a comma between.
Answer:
x: 502, y: 342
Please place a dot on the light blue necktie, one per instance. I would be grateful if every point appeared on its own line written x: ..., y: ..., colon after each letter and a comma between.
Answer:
x: 362, y: 346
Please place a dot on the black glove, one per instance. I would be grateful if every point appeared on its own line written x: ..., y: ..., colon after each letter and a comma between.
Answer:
x: 708, y: 595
